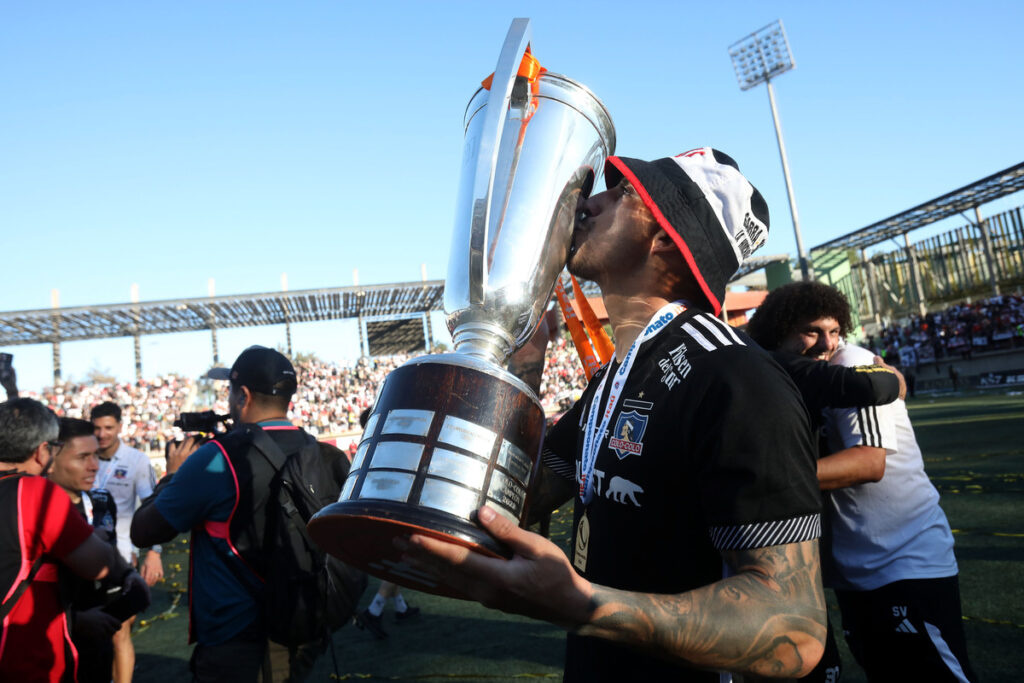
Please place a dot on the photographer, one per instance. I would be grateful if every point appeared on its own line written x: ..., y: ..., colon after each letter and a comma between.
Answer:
x: 212, y: 490
x: 99, y: 607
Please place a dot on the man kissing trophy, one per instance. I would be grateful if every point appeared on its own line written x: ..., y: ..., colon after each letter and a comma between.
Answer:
x: 452, y: 432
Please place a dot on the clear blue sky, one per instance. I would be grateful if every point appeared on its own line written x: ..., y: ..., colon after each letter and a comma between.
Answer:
x: 166, y: 143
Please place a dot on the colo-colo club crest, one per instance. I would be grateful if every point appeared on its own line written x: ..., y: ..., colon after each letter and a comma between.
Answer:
x: 629, y: 430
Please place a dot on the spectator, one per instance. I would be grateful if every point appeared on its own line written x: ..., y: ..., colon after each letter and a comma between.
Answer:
x: 94, y: 603
x: 892, y: 563
x: 42, y: 531
x: 126, y: 473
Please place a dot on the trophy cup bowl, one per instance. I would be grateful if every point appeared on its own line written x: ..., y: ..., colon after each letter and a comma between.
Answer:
x: 451, y: 432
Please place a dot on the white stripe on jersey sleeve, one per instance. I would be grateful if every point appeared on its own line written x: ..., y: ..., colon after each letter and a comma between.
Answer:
x: 766, y: 534
x: 698, y: 337
x: 867, y: 426
x: 710, y: 327
x: 710, y: 321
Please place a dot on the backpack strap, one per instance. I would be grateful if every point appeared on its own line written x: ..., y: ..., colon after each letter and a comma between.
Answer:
x: 12, y: 601
x: 273, y: 454
x: 269, y: 449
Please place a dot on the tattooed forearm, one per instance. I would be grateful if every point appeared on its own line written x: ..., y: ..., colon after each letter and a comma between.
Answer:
x: 768, y: 619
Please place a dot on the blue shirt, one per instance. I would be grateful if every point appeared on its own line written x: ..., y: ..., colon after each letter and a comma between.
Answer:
x: 202, y: 491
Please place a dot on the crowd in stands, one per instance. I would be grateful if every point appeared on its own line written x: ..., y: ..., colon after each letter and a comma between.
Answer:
x: 960, y: 330
x: 149, y: 407
x: 331, y: 395
x: 563, y: 381
x: 328, y: 401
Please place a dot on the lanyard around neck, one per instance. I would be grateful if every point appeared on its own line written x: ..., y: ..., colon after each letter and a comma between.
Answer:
x: 593, y: 433
x: 110, y: 468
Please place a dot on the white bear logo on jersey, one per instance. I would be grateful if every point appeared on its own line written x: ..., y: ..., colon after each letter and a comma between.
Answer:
x: 620, y: 490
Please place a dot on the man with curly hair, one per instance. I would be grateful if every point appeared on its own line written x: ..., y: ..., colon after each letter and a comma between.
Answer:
x: 891, y: 562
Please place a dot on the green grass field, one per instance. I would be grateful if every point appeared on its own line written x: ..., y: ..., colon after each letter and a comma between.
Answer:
x: 974, y: 452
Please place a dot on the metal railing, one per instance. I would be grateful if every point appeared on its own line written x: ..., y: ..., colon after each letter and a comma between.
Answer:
x: 950, y: 267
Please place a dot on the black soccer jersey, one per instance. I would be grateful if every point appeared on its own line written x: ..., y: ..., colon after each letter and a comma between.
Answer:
x: 708, y: 449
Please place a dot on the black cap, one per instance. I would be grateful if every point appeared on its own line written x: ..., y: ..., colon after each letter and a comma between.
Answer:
x: 263, y: 370
x: 702, y: 201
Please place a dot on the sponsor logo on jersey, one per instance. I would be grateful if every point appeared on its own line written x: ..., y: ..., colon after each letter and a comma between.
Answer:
x: 900, y: 612
x: 906, y: 627
x: 627, y: 435
x: 676, y: 367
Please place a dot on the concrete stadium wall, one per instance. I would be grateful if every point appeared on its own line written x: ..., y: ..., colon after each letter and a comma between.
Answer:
x: 992, y: 368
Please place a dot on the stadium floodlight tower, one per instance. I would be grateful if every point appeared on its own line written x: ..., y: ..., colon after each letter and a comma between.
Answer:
x: 758, y: 58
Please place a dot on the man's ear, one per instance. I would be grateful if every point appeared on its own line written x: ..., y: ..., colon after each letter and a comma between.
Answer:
x: 42, y: 456
x: 662, y: 243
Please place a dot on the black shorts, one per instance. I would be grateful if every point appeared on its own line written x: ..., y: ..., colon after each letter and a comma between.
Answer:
x: 238, y: 660
x: 908, y: 631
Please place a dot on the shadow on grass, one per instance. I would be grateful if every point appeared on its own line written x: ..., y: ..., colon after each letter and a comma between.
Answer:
x: 498, y: 640
x: 155, y: 668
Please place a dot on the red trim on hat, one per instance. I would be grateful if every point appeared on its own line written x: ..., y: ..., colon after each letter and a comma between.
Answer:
x: 667, y: 227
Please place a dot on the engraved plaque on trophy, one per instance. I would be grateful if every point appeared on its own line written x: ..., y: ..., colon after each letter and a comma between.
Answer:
x: 452, y: 432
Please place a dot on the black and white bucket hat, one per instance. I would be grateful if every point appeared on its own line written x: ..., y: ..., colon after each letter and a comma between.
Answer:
x: 702, y: 201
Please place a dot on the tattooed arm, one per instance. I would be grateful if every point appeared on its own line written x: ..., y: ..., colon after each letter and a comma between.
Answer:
x: 768, y: 619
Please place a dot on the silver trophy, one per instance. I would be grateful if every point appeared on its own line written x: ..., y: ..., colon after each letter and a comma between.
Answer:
x: 452, y: 432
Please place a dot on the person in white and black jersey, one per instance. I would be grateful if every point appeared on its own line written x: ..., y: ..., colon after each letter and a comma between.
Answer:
x: 127, y: 474
x: 690, y: 457
x: 891, y: 559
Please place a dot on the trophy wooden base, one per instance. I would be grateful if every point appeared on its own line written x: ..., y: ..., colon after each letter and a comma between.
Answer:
x: 367, y: 540
x: 448, y: 434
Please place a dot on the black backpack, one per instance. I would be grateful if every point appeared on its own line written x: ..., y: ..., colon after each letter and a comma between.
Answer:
x: 307, y: 593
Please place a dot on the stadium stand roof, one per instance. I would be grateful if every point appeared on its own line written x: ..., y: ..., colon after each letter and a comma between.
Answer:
x: 997, y: 185
x: 220, y: 312
x: 390, y: 304
x: 391, y: 336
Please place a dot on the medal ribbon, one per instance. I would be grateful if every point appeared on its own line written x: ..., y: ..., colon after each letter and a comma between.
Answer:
x: 593, y: 433
x: 592, y: 355
x: 107, y: 472
x: 602, y: 342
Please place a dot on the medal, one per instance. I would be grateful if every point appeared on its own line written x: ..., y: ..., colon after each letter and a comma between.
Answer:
x: 579, y: 557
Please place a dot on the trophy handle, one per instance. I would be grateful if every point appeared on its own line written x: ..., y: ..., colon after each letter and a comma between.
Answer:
x: 516, y: 43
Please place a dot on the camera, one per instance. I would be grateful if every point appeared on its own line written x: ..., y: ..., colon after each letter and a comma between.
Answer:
x: 205, y: 422
x: 202, y: 425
